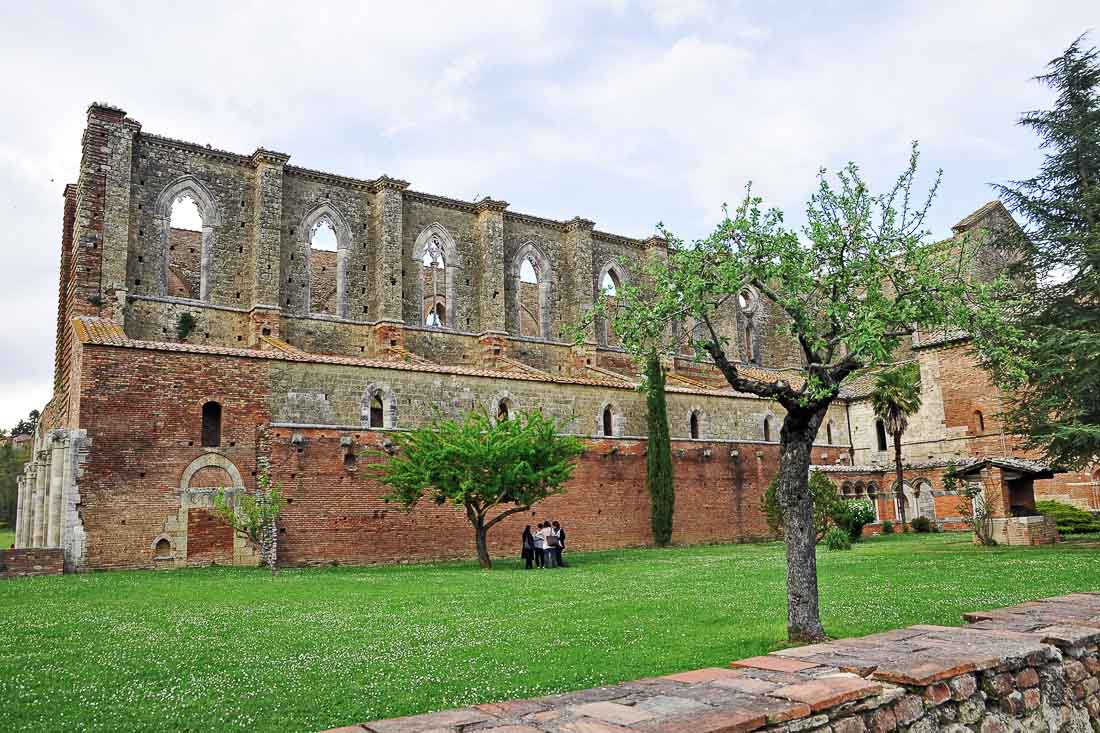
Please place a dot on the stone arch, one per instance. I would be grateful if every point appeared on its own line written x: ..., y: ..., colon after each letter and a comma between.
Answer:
x: 162, y: 547
x: 769, y: 427
x: 925, y: 498
x: 503, y: 397
x: 187, y: 185
x: 610, y: 416
x: 433, y: 236
x: 215, y: 460
x: 698, y: 423
x: 619, y: 276
x: 544, y: 273
x: 389, y: 405
x: 324, y: 211
x: 873, y: 492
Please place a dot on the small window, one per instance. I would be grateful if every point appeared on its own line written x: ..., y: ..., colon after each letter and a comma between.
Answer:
x: 377, y: 412
x: 750, y: 352
x: 211, y: 425
x: 349, y: 461
x: 437, y: 316
x: 767, y: 429
x: 829, y: 432
x: 979, y: 421
x: 163, y: 548
x: 880, y: 434
x: 502, y: 411
x: 694, y: 426
x: 608, y: 422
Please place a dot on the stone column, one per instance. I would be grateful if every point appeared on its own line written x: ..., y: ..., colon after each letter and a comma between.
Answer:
x: 20, y: 508
x: 388, y: 211
x: 266, y: 261
x: 26, y: 510
x: 116, y: 213
x: 491, y: 265
x: 57, y: 486
x: 581, y: 272
x: 41, y: 475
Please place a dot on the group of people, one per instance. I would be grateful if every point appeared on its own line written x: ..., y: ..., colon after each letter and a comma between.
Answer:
x: 543, y: 548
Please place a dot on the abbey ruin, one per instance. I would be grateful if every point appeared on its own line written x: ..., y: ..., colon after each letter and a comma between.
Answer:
x: 301, y: 316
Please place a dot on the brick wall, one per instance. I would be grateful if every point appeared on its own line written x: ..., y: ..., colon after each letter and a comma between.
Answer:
x: 32, y: 562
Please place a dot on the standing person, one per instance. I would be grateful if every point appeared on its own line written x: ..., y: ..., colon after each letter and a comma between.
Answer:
x: 528, y: 544
x: 540, y: 547
x: 551, y: 545
x: 560, y: 532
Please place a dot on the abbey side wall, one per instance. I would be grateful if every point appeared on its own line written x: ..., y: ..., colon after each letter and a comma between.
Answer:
x: 297, y: 343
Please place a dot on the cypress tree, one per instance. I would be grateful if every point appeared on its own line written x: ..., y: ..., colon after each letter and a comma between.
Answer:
x: 662, y: 493
x: 1057, y: 404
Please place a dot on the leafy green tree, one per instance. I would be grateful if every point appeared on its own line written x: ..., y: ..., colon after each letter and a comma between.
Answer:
x: 254, y: 517
x: 849, y: 289
x: 894, y: 397
x: 662, y: 492
x: 481, y: 466
x: 827, y: 504
x: 27, y: 425
x: 852, y: 515
x: 1056, y: 403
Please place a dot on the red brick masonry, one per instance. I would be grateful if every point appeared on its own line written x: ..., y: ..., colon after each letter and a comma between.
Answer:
x: 27, y: 563
x: 1035, y: 666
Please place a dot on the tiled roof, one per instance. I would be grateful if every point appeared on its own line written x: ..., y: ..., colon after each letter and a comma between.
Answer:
x: 978, y: 214
x: 1035, y: 469
x: 862, y: 383
x: 104, y: 332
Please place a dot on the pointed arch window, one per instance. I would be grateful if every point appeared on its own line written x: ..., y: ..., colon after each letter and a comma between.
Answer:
x: 503, y: 411
x: 610, y: 283
x: 377, y: 412
x: 188, y: 219
x: 211, y: 425
x: 750, y: 346
x: 768, y: 429
x: 693, y: 426
x: 880, y: 435
x: 608, y: 422
x: 435, y: 269
x: 979, y: 421
x: 829, y: 432
x: 530, y: 320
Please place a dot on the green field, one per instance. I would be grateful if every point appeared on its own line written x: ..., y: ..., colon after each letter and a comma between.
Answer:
x: 7, y: 538
x: 233, y: 649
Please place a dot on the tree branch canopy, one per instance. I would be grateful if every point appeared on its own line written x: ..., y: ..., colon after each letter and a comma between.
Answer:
x: 857, y: 278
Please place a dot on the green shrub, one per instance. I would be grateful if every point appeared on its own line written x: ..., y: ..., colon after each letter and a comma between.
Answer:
x: 185, y: 324
x: 826, y: 500
x: 887, y: 527
x: 852, y: 515
x: 921, y: 524
x: 838, y: 539
x: 1070, y: 519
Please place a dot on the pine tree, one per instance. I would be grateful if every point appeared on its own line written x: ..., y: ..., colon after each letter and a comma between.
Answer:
x: 1057, y: 403
x: 662, y: 493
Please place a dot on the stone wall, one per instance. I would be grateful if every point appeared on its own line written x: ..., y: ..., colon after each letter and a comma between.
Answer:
x: 1033, y: 667
x: 147, y: 475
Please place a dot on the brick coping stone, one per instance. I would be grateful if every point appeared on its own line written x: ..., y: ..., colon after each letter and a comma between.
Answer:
x: 1035, y: 666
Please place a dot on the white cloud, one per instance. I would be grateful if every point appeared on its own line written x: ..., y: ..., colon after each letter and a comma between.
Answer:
x: 624, y: 111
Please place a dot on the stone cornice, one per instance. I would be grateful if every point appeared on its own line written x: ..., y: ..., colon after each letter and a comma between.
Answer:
x: 617, y: 239
x: 270, y: 157
x: 577, y: 224
x: 330, y: 178
x: 449, y: 203
x: 384, y: 182
x: 487, y: 204
x: 536, y: 220
x: 206, y: 151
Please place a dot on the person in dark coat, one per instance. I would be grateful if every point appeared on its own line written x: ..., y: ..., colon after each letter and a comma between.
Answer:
x: 528, y: 551
x: 561, y: 544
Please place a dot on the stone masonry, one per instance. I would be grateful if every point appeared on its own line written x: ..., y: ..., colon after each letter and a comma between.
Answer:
x: 1032, y: 667
x: 308, y: 356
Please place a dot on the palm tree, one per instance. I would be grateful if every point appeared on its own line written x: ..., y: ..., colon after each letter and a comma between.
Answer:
x: 895, y: 397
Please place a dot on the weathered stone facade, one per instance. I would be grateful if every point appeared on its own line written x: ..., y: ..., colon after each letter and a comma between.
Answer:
x: 423, y: 303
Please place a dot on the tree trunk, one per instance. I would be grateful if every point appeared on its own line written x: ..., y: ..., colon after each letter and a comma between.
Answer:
x: 803, y: 608
x: 481, y: 537
x: 901, y: 483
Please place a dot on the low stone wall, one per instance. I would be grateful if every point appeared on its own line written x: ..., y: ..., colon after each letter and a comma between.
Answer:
x: 1032, y: 667
x: 32, y: 562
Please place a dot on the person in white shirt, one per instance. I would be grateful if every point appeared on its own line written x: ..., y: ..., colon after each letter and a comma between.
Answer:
x: 540, y: 546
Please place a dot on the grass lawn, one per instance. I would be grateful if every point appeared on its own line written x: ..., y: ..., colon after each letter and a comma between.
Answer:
x: 232, y: 649
x: 7, y: 538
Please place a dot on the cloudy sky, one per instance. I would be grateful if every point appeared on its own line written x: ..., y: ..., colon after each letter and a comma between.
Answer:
x: 625, y: 112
